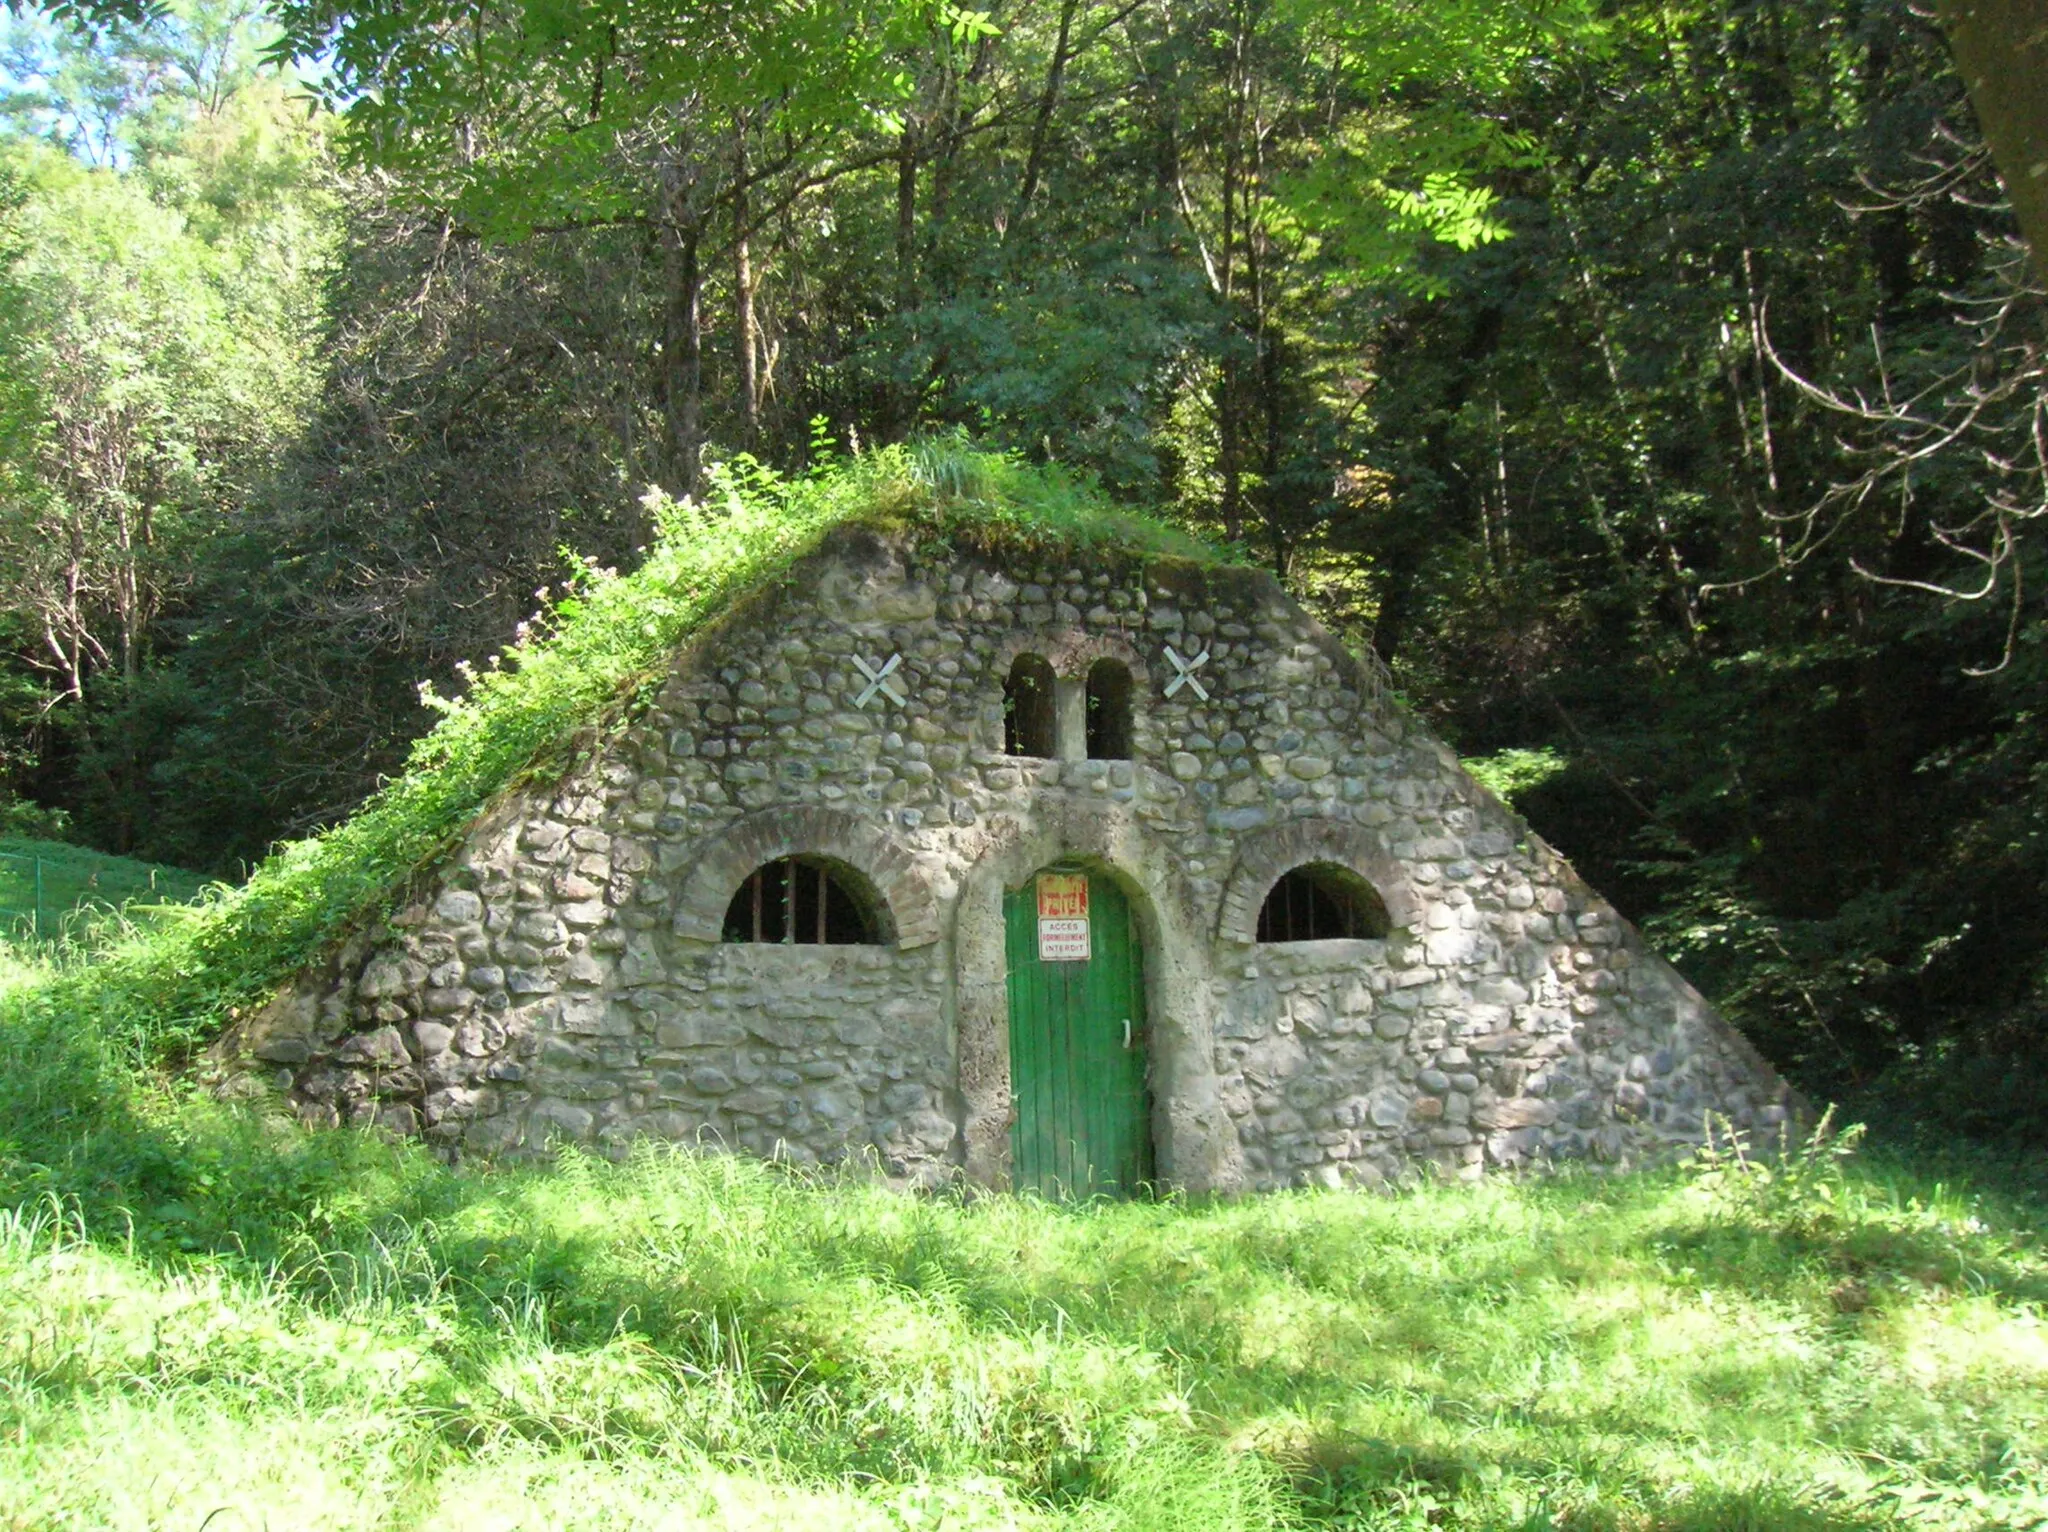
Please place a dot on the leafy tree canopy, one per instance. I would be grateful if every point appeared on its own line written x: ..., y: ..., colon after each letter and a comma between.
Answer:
x: 546, y: 112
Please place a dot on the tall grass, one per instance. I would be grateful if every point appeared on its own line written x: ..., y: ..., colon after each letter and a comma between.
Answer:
x: 703, y: 1341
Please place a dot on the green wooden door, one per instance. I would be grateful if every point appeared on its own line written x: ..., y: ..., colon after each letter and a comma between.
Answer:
x: 1077, y: 1051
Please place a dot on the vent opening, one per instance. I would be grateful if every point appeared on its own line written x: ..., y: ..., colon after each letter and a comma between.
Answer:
x: 1109, y: 711
x: 1028, y: 708
x: 803, y: 901
x: 1322, y: 902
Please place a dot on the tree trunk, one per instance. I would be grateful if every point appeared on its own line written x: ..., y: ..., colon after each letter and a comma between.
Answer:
x: 683, y: 357
x: 1259, y: 285
x: 1230, y: 387
x: 906, y: 219
x: 2001, y: 50
x: 1638, y: 451
x: 1048, y: 100
x: 68, y: 630
x: 748, y: 340
x: 902, y: 409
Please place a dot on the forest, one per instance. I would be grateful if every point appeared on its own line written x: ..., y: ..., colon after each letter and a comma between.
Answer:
x: 1657, y: 389
x: 1653, y: 396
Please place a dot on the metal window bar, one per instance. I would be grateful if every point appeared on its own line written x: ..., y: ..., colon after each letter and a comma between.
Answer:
x: 794, y: 902
x: 1305, y: 907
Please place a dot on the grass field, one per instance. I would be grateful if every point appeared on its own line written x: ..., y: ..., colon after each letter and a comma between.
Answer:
x: 209, y: 1322
x: 50, y: 889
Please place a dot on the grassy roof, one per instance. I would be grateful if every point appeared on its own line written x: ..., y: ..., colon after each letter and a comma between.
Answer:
x: 527, y: 711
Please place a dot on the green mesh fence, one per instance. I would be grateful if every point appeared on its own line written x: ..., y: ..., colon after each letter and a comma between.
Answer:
x: 47, y: 895
x: 23, y: 897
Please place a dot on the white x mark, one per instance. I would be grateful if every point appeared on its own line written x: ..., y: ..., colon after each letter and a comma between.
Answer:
x: 1186, y: 676
x: 878, y: 681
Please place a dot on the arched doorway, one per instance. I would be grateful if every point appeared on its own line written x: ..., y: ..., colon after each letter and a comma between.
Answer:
x: 1082, y: 1123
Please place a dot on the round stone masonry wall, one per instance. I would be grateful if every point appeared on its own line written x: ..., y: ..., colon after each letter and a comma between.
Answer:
x: 562, y: 979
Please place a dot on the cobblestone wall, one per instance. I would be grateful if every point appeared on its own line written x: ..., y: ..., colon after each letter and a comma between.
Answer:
x: 564, y: 979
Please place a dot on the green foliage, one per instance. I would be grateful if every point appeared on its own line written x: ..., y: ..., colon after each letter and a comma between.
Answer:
x: 1508, y: 774
x: 536, y: 112
x: 21, y: 819
x: 140, y: 327
x: 476, y: 431
x: 1782, y: 1185
x: 132, y: 88
x: 976, y: 493
x: 164, y: 248
x: 1600, y: 517
x: 558, y: 690
x: 1417, y: 167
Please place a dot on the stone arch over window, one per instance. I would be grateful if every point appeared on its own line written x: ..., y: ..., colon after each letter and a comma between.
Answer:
x: 1321, y: 901
x: 1264, y: 858
x: 1030, y: 707
x: 810, y: 901
x: 1109, y: 710
x: 903, y: 908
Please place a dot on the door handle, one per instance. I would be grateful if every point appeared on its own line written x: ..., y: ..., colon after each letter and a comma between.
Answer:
x: 1127, y: 1034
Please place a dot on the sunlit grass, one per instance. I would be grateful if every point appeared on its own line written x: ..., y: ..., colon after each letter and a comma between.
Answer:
x: 685, y: 1341
x: 22, y: 968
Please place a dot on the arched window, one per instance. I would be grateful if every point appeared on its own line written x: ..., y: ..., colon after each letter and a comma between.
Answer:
x: 805, y: 900
x: 1109, y: 711
x: 1028, y: 708
x: 1319, y: 901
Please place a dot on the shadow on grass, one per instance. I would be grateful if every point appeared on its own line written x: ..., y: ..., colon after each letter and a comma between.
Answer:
x: 1376, y: 1483
x: 1909, y: 1258
x: 1073, y: 1324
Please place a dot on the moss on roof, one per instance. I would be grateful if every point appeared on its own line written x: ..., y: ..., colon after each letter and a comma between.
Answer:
x: 533, y: 709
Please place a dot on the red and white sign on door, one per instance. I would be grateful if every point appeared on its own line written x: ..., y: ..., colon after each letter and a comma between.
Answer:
x: 1063, y: 917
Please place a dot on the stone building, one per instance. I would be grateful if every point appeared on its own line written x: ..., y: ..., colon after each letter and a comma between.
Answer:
x: 1046, y: 868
